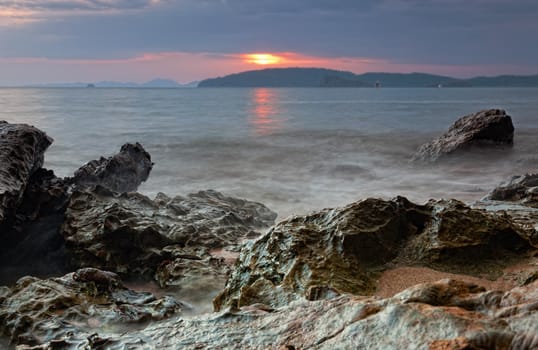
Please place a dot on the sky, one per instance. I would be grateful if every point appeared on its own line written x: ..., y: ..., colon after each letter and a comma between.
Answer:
x: 43, y: 41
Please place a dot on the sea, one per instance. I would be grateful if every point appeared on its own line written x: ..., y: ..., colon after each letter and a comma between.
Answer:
x: 296, y: 150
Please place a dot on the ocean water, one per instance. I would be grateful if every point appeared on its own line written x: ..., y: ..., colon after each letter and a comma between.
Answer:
x: 295, y: 150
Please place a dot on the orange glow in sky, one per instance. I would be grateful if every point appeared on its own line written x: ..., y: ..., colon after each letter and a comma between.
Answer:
x: 262, y: 58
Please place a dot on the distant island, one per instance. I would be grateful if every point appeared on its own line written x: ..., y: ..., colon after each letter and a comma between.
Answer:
x: 155, y: 83
x: 316, y: 77
x: 321, y: 77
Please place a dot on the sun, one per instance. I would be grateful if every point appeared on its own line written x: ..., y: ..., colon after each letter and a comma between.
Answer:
x: 262, y: 58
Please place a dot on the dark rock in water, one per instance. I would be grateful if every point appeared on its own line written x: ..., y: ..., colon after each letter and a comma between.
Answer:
x: 30, y: 198
x: 518, y: 198
x: 344, y: 249
x: 522, y: 189
x: 484, y: 128
x: 448, y: 314
x: 123, y: 172
x: 127, y: 233
x: 35, y: 311
x: 22, y: 149
x: 33, y: 244
x: 131, y: 234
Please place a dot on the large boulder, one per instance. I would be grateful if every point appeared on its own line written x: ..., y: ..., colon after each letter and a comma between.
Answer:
x: 33, y: 243
x: 343, y: 250
x: 133, y: 235
x: 22, y: 149
x: 122, y: 172
x: 35, y: 310
x: 448, y: 314
x: 484, y: 128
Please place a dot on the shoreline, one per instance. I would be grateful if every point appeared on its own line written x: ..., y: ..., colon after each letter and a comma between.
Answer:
x: 152, y: 264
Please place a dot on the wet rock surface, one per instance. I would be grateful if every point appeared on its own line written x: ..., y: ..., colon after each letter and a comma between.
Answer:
x: 133, y: 235
x: 443, y: 315
x: 343, y: 250
x: 518, y: 198
x: 32, y: 244
x: 522, y: 189
x: 307, y: 283
x: 483, y: 129
x: 32, y: 238
x: 22, y: 149
x: 122, y: 172
x: 192, y: 268
x: 35, y: 311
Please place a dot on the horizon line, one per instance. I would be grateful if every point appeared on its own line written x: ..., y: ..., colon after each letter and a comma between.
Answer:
x: 185, y: 84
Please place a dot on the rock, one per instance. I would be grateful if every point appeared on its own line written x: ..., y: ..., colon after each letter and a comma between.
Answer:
x: 35, y: 310
x: 192, y: 268
x: 123, y: 172
x: 521, y: 188
x: 448, y: 314
x: 484, y: 128
x: 133, y: 235
x: 22, y: 149
x: 345, y: 249
x: 33, y: 200
x: 518, y: 198
x: 33, y: 244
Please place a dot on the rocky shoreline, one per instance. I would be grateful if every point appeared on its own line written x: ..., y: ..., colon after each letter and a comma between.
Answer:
x: 376, y: 274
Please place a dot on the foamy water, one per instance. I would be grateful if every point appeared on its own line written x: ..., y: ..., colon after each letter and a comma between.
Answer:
x: 295, y: 150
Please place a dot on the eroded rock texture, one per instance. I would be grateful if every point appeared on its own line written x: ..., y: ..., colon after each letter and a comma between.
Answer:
x: 344, y: 249
x: 521, y: 188
x: 484, y: 128
x: 444, y: 315
x: 33, y: 200
x: 22, y: 149
x: 123, y: 172
x: 131, y: 234
x: 87, y: 301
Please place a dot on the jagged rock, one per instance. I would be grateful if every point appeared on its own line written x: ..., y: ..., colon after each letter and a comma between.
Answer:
x: 22, y: 149
x: 33, y: 200
x: 123, y: 172
x: 33, y: 243
x: 35, y: 310
x: 444, y: 315
x: 484, y: 128
x: 518, y: 198
x: 521, y: 188
x: 192, y: 268
x: 131, y: 234
x: 344, y: 249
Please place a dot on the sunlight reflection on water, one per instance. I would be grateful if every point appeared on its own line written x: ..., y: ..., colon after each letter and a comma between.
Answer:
x: 266, y: 114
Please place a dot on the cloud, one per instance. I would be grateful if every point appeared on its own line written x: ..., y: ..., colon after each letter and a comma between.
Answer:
x: 426, y: 33
x: 70, y: 5
x: 17, y: 12
x: 187, y: 66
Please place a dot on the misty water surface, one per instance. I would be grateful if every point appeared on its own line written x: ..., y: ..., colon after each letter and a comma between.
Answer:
x: 295, y: 150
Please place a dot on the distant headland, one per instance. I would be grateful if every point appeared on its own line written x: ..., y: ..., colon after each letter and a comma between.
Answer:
x: 317, y: 77
x: 321, y: 77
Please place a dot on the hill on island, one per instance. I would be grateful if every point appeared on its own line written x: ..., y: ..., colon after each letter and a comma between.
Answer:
x: 285, y: 77
x: 321, y: 77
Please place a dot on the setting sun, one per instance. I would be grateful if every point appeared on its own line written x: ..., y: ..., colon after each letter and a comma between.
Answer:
x: 262, y: 58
